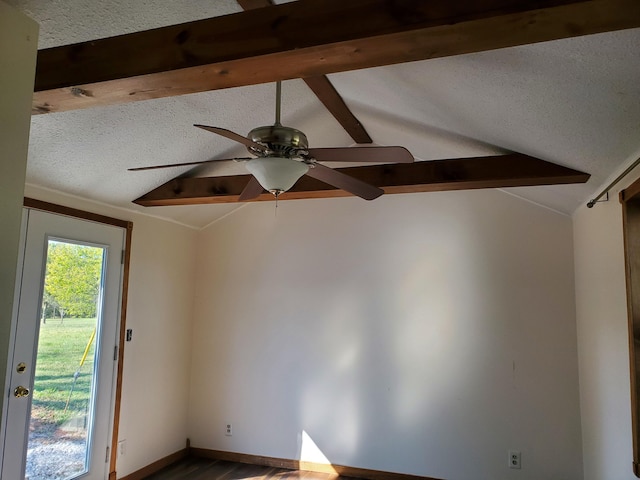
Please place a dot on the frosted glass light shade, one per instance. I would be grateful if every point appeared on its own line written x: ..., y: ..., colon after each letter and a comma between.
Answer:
x: 277, y: 174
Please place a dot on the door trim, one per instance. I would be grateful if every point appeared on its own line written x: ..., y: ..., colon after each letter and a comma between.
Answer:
x: 128, y: 226
x: 74, y: 212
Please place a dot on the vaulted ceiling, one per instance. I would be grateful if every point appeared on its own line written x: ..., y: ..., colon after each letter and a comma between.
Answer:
x: 574, y: 101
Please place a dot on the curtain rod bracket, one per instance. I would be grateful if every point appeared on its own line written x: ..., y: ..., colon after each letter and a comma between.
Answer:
x: 593, y: 202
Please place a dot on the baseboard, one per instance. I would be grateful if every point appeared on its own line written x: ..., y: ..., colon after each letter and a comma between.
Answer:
x: 158, y: 465
x: 301, y: 465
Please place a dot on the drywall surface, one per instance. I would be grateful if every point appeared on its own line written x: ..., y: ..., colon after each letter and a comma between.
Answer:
x: 603, y: 344
x: 425, y: 334
x: 156, y: 379
x: 18, y: 45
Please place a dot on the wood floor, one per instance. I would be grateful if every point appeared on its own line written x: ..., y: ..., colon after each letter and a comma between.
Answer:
x: 205, y: 469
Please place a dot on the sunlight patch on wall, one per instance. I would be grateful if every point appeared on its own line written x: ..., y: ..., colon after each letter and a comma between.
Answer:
x: 334, y: 357
x: 347, y: 358
x: 309, y: 451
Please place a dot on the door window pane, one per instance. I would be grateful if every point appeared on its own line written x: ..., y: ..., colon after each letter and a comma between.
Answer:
x: 64, y: 385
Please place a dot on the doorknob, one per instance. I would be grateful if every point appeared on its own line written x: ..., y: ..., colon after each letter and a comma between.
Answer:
x: 21, y: 391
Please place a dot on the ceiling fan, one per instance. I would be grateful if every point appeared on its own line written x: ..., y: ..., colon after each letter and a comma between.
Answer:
x: 282, y: 156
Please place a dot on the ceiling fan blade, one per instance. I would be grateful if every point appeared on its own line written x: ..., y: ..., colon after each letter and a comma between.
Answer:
x: 234, y: 136
x: 251, y: 191
x: 186, y: 164
x: 362, y: 154
x: 345, y: 182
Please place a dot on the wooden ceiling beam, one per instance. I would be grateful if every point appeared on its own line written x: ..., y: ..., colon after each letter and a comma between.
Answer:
x: 331, y: 99
x: 324, y: 90
x: 304, y: 39
x: 513, y: 170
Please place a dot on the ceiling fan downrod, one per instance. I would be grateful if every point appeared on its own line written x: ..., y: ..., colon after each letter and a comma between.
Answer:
x: 278, y: 102
x: 277, y: 139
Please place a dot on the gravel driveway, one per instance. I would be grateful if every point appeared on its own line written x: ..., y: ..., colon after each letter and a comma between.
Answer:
x: 54, y: 455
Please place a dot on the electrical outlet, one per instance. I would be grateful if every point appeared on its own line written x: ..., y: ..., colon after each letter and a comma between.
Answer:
x: 228, y: 430
x: 514, y: 459
x: 122, y: 448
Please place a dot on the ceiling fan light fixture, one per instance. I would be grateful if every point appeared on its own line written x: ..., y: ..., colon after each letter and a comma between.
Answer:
x: 277, y: 174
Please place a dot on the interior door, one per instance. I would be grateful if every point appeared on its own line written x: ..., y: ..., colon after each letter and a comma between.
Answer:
x: 62, y: 383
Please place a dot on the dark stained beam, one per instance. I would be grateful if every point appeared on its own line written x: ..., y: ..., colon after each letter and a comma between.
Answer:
x: 327, y: 94
x: 513, y: 170
x: 304, y: 39
x: 324, y: 90
x: 253, y: 4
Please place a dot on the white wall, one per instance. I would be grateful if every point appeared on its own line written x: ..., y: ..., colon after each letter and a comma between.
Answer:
x: 426, y: 334
x: 156, y: 378
x: 18, y: 45
x: 603, y: 340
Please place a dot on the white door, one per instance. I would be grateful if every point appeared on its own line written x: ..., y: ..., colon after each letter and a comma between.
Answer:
x: 62, y: 384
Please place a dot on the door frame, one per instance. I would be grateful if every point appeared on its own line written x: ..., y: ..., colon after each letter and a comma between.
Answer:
x: 128, y: 226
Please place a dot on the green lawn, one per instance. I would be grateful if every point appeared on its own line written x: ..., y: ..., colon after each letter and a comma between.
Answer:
x: 60, y: 349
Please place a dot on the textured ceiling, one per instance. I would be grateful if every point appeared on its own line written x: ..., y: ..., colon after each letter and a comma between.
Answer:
x: 574, y: 102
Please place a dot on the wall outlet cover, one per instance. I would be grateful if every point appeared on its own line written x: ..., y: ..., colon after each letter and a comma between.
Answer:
x: 514, y: 459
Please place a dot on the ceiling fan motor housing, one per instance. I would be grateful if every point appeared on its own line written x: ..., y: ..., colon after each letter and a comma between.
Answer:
x: 282, y: 141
